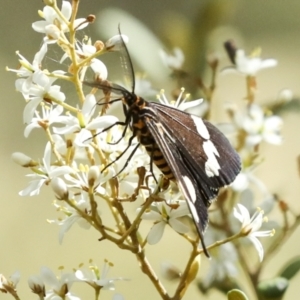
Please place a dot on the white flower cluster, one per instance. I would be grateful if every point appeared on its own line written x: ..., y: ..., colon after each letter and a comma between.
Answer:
x: 75, y: 154
x: 59, y: 286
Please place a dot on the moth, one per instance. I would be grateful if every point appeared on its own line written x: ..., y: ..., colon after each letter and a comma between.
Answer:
x: 186, y: 149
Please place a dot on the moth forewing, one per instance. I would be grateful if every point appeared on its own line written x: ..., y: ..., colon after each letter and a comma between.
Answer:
x: 202, y: 144
x: 183, y: 175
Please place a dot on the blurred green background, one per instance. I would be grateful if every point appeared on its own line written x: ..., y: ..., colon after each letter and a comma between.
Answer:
x: 27, y: 241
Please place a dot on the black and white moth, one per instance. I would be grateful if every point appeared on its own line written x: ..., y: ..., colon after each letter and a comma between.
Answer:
x: 184, y: 147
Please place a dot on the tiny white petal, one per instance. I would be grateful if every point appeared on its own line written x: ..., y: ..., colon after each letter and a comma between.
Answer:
x: 102, y: 122
x: 99, y: 69
x: 33, y: 188
x: 66, y: 226
x: 178, y: 226
x: 258, y: 246
x: 156, y: 233
x: 118, y: 297
x: 152, y: 215
x: 82, y: 22
x: 116, y: 42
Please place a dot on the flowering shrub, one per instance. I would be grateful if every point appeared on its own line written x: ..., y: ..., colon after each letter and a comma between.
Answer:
x: 84, y: 165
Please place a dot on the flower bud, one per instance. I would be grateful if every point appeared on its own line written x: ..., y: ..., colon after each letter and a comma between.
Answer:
x: 193, y: 270
x: 116, y: 42
x: 60, y: 188
x: 99, y: 45
x: 99, y: 69
x: 93, y: 175
x: 23, y: 160
x: 3, y: 281
x: 91, y: 18
x: 285, y: 95
x: 52, y: 32
x: 36, y: 285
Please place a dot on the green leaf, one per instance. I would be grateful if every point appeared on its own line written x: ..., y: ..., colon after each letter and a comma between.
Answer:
x: 290, y: 106
x: 273, y: 288
x: 291, y: 268
x: 224, y: 286
x: 236, y: 295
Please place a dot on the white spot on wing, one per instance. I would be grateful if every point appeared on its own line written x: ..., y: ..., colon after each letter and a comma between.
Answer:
x: 212, y: 166
x: 190, y: 188
x: 194, y: 212
x: 190, y: 194
x: 201, y: 128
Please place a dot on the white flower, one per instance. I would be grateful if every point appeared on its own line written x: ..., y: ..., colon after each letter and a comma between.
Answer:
x: 107, y: 139
x: 143, y: 87
x: 10, y: 285
x: 83, y: 52
x: 59, y: 286
x: 181, y: 102
x: 163, y: 214
x: 245, y: 183
x: 260, y: 127
x: 241, y: 182
x: 74, y: 124
x: 49, y: 116
x: 247, y: 65
x: 118, y: 297
x: 245, y: 178
x: 27, y: 68
x: 250, y: 227
x: 250, y: 65
x: 224, y: 260
x: 81, y: 129
x: 285, y: 96
x: 223, y: 264
x: 81, y: 179
x: 72, y: 215
x: 44, y: 174
x: 36, y: 285
x: 41, y: 89
x: 54, y: 24
x: 84, y: 120
x: 95, y: 278
x: 173, y: 61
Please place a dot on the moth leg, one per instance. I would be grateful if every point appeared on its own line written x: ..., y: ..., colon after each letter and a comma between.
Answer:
x: 107, y: 128
x: 122, y: 136
x: 141, y: 171
x: 126, y: 124
x: 129, y: 158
